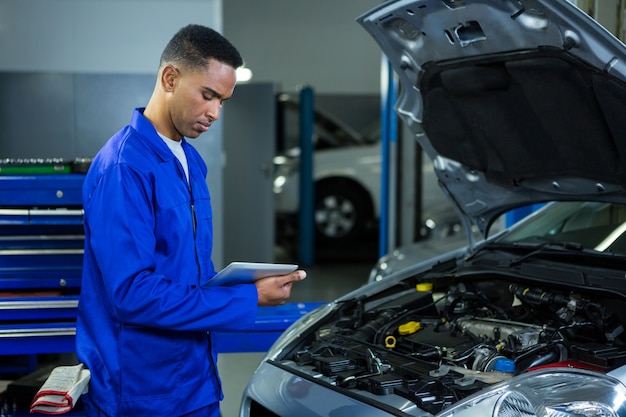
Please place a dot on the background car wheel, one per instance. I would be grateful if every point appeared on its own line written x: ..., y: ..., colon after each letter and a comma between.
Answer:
x: 342, y: 211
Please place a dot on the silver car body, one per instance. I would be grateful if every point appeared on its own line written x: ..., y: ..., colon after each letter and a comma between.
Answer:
x: 364, y: 169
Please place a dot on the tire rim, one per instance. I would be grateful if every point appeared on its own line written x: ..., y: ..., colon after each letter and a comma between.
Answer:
x: 335, y: 216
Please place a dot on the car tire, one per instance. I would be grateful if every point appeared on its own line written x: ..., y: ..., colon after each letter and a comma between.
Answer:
x: 342, y: 211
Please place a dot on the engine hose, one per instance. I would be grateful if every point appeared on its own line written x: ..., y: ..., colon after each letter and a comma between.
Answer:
x: 541, y: 355
x: 537, y: 297
x: 368, y: 330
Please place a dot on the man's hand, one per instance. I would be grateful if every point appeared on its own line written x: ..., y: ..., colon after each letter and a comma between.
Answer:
x: 276, y: 290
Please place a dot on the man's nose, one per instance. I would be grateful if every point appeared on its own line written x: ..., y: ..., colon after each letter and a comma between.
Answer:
x: 213, y: 110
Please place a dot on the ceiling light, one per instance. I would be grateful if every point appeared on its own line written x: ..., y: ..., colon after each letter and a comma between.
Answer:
x: 244, y: 74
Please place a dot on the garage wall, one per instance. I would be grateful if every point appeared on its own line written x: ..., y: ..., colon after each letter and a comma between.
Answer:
x: 298, y: 42
x: 607, y: 12
x: 110, y: 36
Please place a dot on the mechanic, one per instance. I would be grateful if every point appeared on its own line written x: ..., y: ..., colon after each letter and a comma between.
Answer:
x: 144, y: 317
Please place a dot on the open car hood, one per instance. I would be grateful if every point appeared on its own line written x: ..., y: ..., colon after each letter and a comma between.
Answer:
x: 516, y: 101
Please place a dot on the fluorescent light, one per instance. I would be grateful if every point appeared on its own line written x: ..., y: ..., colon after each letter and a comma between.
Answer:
x: 244, y: 74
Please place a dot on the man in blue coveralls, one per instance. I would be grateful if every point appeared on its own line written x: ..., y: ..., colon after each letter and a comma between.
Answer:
x: 144, y: 317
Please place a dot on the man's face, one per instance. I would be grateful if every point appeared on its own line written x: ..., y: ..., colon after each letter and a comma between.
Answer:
x: 197, y: 100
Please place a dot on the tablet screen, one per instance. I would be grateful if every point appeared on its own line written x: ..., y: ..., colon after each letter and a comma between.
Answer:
x: 247, y: 272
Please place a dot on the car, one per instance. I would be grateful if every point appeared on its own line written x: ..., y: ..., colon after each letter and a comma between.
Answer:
x: 517, y: 103
x: 346, y: 176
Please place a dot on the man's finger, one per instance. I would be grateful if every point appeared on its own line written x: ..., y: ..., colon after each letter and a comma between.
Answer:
x: 298, y: 275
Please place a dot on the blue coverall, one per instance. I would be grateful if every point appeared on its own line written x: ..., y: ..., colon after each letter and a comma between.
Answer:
x: 144, y: 318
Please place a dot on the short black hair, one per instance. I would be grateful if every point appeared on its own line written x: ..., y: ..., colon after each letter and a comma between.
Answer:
x: 194, y: 45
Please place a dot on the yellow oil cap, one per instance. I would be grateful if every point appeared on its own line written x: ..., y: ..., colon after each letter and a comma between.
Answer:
x: 424, y: 286
x: 409, y: 327
x: 390, y: 342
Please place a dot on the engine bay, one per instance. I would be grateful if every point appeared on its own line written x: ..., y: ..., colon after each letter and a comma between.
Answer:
x: 434, y: 346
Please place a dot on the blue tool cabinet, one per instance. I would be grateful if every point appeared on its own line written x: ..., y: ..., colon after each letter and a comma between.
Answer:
x: 41, y: 250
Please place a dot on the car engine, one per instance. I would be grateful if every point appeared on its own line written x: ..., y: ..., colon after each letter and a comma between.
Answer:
x: 435, y: 346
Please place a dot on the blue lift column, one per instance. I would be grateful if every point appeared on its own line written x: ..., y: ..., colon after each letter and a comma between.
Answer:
x: 306, y: 232
x: 388, y: 140
x: 516, y: 215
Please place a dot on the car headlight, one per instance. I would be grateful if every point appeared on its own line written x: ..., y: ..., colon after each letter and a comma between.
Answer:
x: 548, y: 393
x: 296, y: 328
x: 284, y: 169
x: 279, y: 183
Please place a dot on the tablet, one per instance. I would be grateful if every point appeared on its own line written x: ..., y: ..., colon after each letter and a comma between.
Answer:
x: 247, y: 272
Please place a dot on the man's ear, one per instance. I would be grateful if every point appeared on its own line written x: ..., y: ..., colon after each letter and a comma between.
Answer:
x: 169, y: 77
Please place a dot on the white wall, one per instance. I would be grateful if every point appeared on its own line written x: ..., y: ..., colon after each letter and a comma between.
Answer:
x: 312, y: 42
x: 108, y: 36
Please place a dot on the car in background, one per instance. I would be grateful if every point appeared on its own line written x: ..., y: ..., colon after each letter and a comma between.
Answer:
x: 516, y: 102
x: 346, y: 176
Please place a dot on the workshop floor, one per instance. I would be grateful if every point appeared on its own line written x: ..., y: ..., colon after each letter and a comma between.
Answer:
x: 333, y: 275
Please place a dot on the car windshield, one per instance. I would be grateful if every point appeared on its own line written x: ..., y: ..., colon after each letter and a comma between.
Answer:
x: 329, y: 131
x: 592, y: 225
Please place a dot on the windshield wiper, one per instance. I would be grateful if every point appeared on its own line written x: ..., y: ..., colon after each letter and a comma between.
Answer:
x: 549, y: 246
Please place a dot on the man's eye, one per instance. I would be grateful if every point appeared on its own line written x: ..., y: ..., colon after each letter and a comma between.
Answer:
x: 208, y: 97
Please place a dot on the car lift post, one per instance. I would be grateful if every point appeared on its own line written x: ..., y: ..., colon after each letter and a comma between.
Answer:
x: 306, y: 236
x: 388, y: 140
